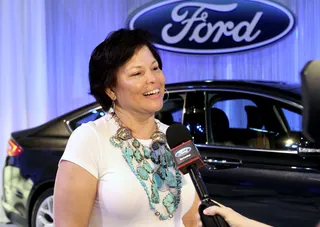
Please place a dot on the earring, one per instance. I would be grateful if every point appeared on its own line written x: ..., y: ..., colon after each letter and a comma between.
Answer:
x: 166, y: 93
x: 113, y: 104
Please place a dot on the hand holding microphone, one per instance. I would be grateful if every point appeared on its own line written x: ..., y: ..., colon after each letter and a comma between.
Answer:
x: 233, y: 218
x: 187, y: 159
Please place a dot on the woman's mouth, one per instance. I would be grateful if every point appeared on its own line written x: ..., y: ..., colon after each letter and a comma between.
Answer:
x: 153, y: 92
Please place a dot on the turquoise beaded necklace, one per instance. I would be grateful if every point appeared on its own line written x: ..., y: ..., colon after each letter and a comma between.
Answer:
x: 161, y: 178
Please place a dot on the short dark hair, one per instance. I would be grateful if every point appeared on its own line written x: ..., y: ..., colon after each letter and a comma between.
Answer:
x: 117, y: 49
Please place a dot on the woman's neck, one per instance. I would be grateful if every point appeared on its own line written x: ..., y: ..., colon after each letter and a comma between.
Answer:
x: 141, y: 126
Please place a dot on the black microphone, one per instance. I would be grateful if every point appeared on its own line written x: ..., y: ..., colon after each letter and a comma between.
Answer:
x: 310, y: 81
x: 188, y: 160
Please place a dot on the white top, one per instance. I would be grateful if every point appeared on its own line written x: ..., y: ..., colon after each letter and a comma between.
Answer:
x: 121, y: 199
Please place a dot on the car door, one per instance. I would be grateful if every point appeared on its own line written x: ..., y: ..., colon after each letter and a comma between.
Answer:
x: 252, y: 160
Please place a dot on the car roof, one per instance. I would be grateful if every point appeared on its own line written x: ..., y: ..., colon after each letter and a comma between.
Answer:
x: 291, y: 90
x: 285, y: 86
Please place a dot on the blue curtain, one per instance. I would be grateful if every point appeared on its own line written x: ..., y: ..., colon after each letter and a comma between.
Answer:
x: 45, y: 46
x: 23, y: 68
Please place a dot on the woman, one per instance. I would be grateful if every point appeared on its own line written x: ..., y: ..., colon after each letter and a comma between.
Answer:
x: 117, y: 170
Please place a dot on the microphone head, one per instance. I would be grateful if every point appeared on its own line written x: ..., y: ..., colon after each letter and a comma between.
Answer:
x: 177, y: 134
x: 183, y: 150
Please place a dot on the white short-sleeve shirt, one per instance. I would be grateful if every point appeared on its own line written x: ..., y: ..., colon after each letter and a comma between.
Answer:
x: 121, y: 199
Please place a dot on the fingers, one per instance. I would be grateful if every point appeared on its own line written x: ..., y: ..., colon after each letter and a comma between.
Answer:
x: 211, y: 210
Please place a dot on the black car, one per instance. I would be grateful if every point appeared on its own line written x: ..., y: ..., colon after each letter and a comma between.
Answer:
x: 248, y: 134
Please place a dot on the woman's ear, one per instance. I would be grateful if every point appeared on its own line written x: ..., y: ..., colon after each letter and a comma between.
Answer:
x: 111, y: 94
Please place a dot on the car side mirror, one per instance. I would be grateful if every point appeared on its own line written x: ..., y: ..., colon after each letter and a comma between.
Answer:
x: 310, y: 83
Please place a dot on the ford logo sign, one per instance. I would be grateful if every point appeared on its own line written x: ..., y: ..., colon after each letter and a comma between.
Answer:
x: 183, y: 152
x: 213, y: 26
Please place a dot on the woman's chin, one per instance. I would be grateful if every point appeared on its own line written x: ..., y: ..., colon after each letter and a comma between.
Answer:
x: 155, y: 108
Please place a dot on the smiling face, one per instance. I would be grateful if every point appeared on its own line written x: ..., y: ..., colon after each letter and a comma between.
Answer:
x: 140, y: 84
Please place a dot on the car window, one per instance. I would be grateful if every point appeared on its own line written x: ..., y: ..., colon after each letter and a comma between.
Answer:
x: 293, y: 120
x: 172, y: 109
x: 245, y: 120
x: 229, y: 107
x: 232, y: 122
x: 89, y: 116
x: 194, y: 116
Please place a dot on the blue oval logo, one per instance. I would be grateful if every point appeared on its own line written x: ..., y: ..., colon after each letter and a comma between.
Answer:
x: 183, y: 152
x: 213, y: 26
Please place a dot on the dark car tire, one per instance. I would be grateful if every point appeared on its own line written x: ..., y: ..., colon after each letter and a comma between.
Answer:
x: 42, y: 201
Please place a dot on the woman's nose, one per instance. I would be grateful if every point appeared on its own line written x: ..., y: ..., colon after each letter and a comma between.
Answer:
x: 151, y: 78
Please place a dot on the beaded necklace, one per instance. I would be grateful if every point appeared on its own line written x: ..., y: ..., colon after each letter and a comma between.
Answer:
x: 161, y: 178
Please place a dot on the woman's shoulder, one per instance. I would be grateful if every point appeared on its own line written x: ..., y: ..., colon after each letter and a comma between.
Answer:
x: 103, y: 125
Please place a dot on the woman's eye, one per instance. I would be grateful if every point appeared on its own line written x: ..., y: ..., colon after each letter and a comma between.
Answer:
x: 155, y: 68
x: 136, y: 74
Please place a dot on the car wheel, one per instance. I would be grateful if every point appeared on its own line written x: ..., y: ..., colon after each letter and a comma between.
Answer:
x: 42, y: 213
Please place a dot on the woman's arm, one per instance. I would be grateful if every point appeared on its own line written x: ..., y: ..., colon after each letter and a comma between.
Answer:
x: 74, y: 195
x: 189, y: 219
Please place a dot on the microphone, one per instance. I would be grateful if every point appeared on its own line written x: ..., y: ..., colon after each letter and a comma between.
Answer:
x: 310, y: 81
x: 187, y: 158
